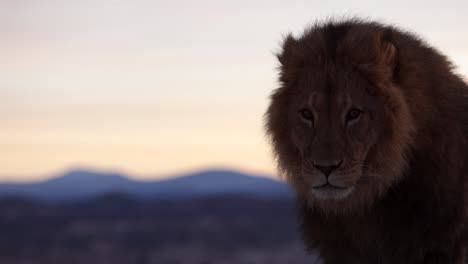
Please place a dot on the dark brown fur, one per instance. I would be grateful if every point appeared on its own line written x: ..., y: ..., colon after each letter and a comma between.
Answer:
x: 405, y: 159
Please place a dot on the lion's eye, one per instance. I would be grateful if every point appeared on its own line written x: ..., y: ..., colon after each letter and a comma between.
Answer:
x: 353, y: 114
x: 306, y: 114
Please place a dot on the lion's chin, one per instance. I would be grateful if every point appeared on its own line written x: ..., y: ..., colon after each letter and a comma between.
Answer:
x: 329, y: 192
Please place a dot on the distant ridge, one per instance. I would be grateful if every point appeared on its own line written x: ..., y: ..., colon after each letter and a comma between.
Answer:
x: 84, y: 184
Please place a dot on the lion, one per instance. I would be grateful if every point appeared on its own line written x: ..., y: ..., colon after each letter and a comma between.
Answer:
x: 369, y: 126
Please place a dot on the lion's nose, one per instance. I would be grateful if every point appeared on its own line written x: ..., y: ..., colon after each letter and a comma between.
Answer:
x: 327, y: 169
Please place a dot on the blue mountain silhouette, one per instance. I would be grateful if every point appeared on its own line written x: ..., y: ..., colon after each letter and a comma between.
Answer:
x: 82, y: 184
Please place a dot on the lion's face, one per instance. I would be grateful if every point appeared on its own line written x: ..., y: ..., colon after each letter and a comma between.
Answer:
x: 334, y: 122
x: 340, y: 134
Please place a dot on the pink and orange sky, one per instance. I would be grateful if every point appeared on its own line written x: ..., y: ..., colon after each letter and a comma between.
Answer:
x: 153, y: 88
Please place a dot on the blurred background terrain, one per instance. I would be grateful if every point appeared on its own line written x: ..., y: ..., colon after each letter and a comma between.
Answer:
x: 207, y: 217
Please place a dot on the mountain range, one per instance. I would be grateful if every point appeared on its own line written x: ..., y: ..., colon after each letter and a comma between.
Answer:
x: 84, y: 184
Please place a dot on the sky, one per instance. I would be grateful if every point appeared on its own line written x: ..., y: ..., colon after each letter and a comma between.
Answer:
x: 157, y: 88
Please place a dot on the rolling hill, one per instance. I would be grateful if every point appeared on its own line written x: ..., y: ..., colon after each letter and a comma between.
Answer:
x: 82, y: 184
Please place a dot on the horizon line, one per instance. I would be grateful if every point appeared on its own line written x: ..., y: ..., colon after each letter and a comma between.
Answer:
x: 95, y: 169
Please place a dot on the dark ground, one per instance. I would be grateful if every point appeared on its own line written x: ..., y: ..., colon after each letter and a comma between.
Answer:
x: 117, y: 229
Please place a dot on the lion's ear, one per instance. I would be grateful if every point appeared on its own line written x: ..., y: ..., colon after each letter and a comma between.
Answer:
x: 288, y: 58
x: 376, y: 55
x: 287, y: 52
x: 385, y: 62
x: 388, y: 55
